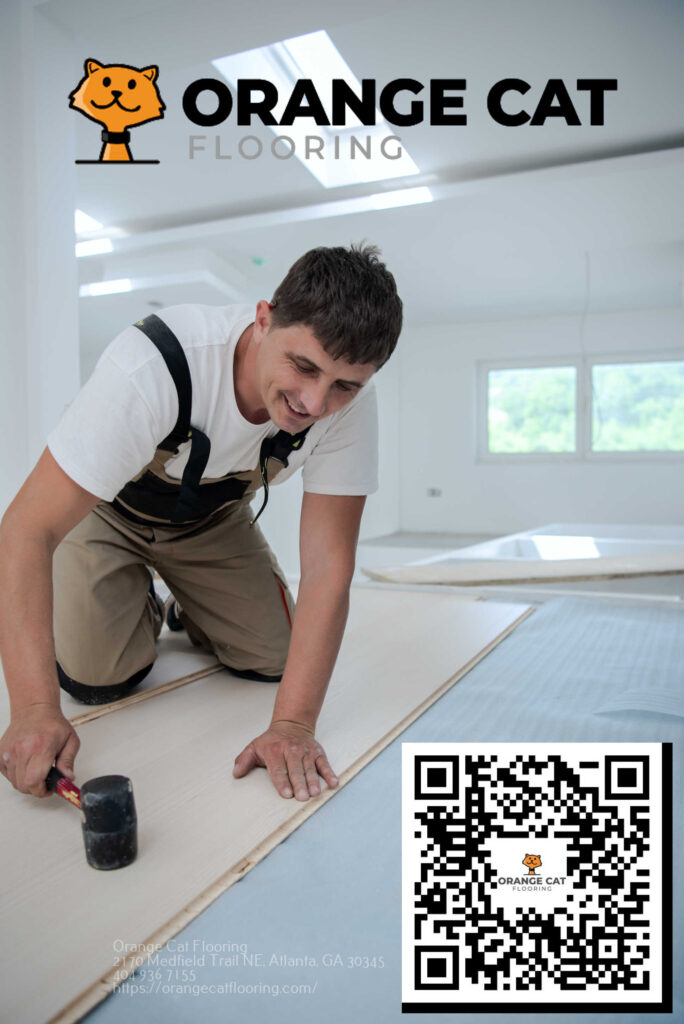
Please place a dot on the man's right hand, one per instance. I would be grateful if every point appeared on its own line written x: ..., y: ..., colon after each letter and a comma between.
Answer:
x: 38, y: 735
x: 47, y: 507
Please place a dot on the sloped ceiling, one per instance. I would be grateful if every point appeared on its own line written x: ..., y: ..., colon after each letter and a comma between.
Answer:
x: 522, y: 218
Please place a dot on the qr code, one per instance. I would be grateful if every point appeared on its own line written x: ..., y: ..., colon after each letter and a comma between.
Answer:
x: 536, y: 877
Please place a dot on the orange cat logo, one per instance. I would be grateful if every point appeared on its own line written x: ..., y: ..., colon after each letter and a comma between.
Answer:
x: 532, y: 861
x: 118, y: 97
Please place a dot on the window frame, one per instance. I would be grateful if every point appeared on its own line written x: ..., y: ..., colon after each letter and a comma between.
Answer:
x: 583, y: 407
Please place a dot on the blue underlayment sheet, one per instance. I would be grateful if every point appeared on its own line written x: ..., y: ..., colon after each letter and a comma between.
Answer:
x: 314, y: 931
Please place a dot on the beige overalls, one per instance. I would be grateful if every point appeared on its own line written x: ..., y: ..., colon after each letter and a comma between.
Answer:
x: 233, y: 594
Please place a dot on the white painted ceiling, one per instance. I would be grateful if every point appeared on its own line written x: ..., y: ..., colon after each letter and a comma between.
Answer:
x: 520, y: 214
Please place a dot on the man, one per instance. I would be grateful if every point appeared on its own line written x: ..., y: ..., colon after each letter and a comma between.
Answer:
x: 154, y: 464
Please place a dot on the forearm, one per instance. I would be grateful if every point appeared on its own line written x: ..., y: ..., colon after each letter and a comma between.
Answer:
x: 26, y: 635
x: 317, y: 631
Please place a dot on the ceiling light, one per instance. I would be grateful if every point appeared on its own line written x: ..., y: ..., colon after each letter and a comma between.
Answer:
x: 105, y: 287
x: 93, y: 247
x: 402, y: 197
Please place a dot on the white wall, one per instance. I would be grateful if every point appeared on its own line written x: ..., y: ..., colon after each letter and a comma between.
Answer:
x: 13, y: 369
x: 438, y: 422
x: 381, y: 515
x: 39, y: 349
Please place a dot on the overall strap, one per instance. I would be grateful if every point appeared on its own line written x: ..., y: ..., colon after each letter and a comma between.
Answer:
x: 278, y: 447
x: 173, y: 355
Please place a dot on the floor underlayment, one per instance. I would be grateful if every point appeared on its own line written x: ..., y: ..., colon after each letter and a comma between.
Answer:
x: 334, y: 885
x: 200, y: 830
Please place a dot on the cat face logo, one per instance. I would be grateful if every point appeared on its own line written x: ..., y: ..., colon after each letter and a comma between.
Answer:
x: 532, y: 861
x: 119, y: 97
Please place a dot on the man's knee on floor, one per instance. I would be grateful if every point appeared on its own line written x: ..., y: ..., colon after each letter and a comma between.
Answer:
x: 257, y: 676
x: 248, y: 665
x: 88, y: 694
x: 264, y: 662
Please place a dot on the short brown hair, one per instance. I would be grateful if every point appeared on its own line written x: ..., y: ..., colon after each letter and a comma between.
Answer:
x: 347, y: 298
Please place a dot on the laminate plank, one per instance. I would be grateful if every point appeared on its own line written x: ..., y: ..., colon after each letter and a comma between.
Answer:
x: 199, y: 828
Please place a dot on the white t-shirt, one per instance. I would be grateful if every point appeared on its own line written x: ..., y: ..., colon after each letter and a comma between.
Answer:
x: 111, y: 429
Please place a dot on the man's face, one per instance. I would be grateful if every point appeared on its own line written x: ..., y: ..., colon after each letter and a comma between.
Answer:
x: 299, y: 382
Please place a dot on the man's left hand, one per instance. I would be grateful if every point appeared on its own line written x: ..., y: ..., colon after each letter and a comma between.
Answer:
x: 293, y: 757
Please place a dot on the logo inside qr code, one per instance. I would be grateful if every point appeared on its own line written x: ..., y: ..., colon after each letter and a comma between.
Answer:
x: 536, y: 876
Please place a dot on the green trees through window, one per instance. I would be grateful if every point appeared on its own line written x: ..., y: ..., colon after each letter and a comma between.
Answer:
x: 532, y: 409
x: 633, y: 407
x: 638, y: 407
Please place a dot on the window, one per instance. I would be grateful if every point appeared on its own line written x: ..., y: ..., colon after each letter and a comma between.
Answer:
x: 637, y: 407
x: 578, y: 408
x: 532, y: 409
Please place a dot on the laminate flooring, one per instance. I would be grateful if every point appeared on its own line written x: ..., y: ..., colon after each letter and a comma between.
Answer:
x: 70, y: 933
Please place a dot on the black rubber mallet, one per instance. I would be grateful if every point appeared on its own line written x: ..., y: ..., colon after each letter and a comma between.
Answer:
x: 110, y: 824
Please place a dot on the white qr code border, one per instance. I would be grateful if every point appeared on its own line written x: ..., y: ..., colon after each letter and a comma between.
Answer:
x: 536, y: 877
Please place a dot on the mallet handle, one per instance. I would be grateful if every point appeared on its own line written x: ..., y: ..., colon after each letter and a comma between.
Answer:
x: 59, y: 784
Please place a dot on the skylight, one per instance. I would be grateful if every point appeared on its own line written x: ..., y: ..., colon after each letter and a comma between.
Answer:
x: 84, y: 223
x: 314, y: 56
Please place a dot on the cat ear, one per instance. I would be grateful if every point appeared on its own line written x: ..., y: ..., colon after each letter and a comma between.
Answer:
x: 150, y: 72
x: 91, y: 66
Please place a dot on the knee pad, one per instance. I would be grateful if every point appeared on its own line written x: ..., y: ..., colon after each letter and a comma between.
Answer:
x: 247, y: 673
x: 99, y: 694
